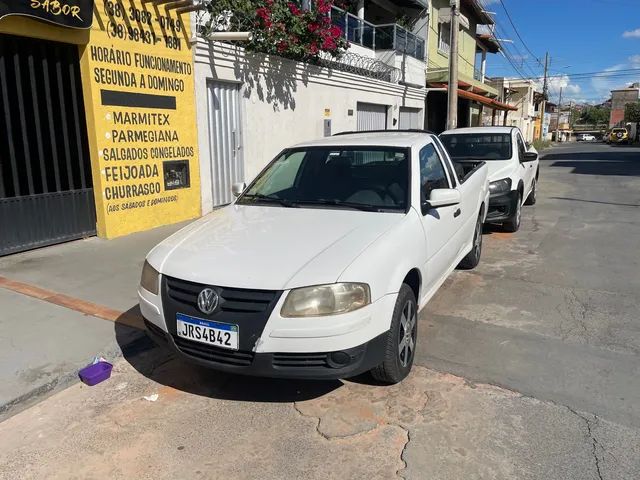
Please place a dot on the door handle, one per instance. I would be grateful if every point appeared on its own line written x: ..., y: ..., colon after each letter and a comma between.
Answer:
x: 457, y: 212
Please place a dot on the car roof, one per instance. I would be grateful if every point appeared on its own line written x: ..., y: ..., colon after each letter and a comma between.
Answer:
x: 474, y: 130
x: 386, y: 138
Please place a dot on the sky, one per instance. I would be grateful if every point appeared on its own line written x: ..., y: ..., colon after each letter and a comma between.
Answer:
x: 581, y: 36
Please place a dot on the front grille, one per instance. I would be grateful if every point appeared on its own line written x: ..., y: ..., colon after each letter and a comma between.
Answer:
x: 235, y: 300
x: 214, y: 354
x: 293, y: 360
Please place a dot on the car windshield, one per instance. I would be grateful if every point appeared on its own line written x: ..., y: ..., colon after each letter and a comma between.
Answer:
x: 484, y: 146
x: 360, y: 178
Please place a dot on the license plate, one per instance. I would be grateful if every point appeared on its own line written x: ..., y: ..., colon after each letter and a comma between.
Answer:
x: 222, y: 335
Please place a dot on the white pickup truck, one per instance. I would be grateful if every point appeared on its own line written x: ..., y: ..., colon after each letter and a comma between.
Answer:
x: 513, y: 168
x: 320, y: 266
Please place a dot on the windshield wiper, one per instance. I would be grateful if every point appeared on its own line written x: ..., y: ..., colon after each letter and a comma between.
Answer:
x: 340, y: 203
x: 270, y: 199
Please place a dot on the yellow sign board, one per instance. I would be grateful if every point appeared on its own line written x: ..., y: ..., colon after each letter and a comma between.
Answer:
x: 137, y: 74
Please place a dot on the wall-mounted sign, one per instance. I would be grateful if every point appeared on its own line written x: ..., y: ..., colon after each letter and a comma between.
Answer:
x: 138, y: 83
x: 66, y: 13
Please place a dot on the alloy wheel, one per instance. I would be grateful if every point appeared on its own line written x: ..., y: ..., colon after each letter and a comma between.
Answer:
x: 407, y: 341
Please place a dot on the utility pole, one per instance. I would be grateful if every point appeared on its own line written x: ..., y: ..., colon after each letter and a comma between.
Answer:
x: 452, y: 110
x: 558, y: 121
x: 545, y: 88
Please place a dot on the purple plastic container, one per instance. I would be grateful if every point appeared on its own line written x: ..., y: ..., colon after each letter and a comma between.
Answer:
x: 95, y: 373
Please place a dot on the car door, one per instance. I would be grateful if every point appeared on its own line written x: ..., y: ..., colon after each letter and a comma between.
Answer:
x: 440, y: 225
x: 527, y: 168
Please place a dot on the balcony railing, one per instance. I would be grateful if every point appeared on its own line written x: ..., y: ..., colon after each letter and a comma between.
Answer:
x: 378, y: 37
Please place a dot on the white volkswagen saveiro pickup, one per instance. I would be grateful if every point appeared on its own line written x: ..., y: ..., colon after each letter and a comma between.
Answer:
x: 320, y: 266
x: 513, y: 168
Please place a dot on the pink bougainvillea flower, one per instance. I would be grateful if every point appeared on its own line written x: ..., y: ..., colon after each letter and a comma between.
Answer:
x: 282, y: 46
x: 294, y: 9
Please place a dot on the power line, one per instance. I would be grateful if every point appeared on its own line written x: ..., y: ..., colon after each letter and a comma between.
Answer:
x: 518, y: 33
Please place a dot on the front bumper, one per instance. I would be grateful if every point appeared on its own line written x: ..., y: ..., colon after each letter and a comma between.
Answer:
x: 312, y: 366
x: 502, y: 207
x: 331, y: 347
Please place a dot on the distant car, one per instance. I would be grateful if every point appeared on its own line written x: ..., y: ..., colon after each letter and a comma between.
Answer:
x: 619, y: 136
x: 586, y: 137
x: 513, y: 168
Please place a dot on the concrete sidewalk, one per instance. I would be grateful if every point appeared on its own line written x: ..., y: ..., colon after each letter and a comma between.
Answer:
x: 64, y: 304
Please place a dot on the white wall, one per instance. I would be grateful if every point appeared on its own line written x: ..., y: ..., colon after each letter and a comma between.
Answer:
x: 284, y: 102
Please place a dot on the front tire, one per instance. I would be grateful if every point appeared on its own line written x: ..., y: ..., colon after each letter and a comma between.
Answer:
x: 532, y: 198
x: 473, y: 257
x: 401, y: 340
x: 513, y: 224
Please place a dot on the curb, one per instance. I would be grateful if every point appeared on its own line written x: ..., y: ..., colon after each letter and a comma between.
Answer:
x: 138, y: 343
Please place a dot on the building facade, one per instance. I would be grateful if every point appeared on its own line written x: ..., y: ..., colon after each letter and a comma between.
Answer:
x: 619, y: 100
x: 521, y: 94
x: 98, y: 113
x: 475, y: 94
x: 250, y: 105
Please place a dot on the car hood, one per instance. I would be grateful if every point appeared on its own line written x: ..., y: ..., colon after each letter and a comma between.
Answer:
x: 270, y: 248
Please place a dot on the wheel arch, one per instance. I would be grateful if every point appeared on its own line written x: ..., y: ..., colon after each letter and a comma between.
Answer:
x: 414, y: 280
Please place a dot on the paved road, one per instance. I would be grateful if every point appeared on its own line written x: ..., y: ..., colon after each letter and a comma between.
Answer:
x: 552, y: 312
x: 527, y: 368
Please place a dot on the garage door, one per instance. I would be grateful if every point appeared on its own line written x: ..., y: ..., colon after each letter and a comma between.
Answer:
x: 46, y: 194
x: 371, y: 116
x: 410, y: 118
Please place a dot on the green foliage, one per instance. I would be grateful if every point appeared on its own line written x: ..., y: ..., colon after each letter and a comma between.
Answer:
x: 281, y: 27
x: 594, y: 116
x: 632, y: 112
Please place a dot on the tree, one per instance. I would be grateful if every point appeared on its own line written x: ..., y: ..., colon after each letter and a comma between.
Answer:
x: 632, y: 112
x: 594, y: 116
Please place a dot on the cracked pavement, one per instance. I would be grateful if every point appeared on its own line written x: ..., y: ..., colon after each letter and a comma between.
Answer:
x: 526, y: 367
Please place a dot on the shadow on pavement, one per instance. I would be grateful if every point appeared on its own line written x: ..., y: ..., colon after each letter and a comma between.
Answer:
x: 616, y: 161
x: 164, y: 367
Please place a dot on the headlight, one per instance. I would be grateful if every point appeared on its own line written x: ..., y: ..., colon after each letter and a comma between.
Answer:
x: 326, y: 300
x: 500, y: 186
x: 149, y: 278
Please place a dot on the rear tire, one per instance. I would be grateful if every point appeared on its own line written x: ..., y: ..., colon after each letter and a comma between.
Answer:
x: 531, y: 199
x: 473, y: 257
x: 401, y: 340
x: 513, y: 224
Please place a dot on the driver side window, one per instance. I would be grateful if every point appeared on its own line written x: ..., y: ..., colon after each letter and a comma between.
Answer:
x: 432, y: 173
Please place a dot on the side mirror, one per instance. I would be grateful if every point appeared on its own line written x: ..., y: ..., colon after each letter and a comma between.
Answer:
x: 238, y: 188
x: 529, y: 157
x: 443, y: 197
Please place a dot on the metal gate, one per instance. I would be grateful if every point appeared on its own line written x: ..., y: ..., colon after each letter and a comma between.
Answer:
x: 371, y: 116
x: 46, y: 193
x: 410, y: 118
x: 225, y: 140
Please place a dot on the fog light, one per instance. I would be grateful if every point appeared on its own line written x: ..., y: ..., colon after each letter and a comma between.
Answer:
x: 339, y: 359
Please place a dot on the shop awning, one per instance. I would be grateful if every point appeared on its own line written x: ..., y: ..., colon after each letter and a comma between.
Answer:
x: 489, y: 102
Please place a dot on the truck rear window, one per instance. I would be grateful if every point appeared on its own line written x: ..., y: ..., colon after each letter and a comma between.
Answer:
x: 481, y: 146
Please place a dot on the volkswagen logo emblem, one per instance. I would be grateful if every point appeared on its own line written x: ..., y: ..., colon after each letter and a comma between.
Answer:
x: 208, y: 300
